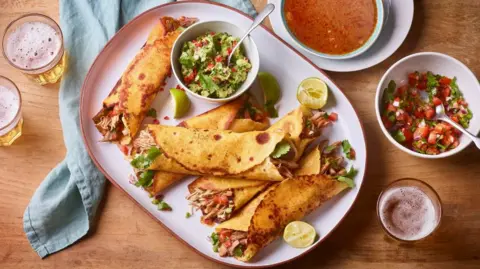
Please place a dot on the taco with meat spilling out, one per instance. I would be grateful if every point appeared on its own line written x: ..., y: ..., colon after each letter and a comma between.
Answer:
x: 127, y: 104
x: 241, y: 115
x: 263, y: 219
x: 219, y: 198
x: 270, y: 155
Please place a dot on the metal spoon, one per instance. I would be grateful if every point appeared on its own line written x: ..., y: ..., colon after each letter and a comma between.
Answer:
x: 440, y: 111
x: 256, y: 22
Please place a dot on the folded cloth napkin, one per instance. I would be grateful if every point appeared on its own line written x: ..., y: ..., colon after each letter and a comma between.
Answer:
x: 63, y: 208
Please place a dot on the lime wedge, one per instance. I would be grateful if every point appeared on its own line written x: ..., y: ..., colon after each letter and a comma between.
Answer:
x: 312, y: 93
x: 181, y: 103
x: 299, y: 234
x: 270, y: 87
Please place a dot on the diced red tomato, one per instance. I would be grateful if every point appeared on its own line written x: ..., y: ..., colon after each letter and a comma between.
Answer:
x: 429, y: 113
x: 412, y: 79
x: 229, y: 50
x: 234, y: 69
x: 391, y: 108
x: 455, y: 144
x: 227, y: 243
x: 408, y: 107
x: 446, y: 92
x: 386, y: 122
x: 455, y: 119
x: 413, y: 92
x: 445, y: 81
x: 421, y: 132
x: 224, y: 233
x: 212, y: 33
x: 402, y: 90
x: 218, y: 59
x: 437, y: 101
x: 408, y: 134
x: 419, y: 114
x: 156, y: 121
x: 432, y: 138
x: 422, y: 85
x: 166, y: 118
x: 439, y: 128
x: 124, y: 149
x: 198, y: 44
x: 208, y: 221
x: 333, y: 116
x: 210, y: 65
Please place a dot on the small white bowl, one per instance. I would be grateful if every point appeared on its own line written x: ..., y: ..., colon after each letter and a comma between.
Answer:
x: 198, y: 29
x: 439, y: 64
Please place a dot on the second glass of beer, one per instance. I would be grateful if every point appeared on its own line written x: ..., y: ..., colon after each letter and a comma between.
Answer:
x: 33, y: 44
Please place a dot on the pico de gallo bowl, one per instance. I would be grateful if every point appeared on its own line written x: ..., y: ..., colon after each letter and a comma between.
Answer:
x: 408, y: 112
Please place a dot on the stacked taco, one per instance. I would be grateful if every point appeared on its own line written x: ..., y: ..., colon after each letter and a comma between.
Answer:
x: 126, y: 106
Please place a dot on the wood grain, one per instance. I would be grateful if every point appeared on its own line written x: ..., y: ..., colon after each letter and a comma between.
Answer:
x: 125, y: 237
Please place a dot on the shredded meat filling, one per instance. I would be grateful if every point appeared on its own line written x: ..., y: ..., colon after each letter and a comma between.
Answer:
x: 315, y: 124
x: 231, y: 240
x: 144, y: 141
x: 216, y: 206
x: 332, y: 164
x: 112, y: 125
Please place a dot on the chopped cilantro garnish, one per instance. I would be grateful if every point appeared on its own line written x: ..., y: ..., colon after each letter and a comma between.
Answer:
x: 144, y: 161
x: 237, y: 251
x: 152, y: 113
x: 188, y: 215
x: 347, y: 149
x: 465, y: 120
x: 215, y: 242
x: 308, y: 124
x: 432, y: 81
x: 389, y: 92
x: 281, y: 149
x: 145, y: 179
x: 351, y: 173
x: 155, y: 201
x: 455, y: 92
x: 399, y: 136
x: 347, y: 180
x: 153, y: 153
x: 329, y: 149
x: 442, y: 146
x: 163, y: 206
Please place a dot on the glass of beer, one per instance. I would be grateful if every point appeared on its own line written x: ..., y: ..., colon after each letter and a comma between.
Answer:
x: 11, y: 121
x: 409, y: 210
x: 33, y: 44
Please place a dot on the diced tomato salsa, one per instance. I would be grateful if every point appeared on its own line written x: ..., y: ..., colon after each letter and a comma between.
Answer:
x: 409, y: 112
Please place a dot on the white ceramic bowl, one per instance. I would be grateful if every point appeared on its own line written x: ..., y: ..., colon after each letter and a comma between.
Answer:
x: 200, y: 28
x: 439, y: 64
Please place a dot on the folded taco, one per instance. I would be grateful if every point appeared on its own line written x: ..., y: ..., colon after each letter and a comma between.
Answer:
x: 127, y: 104
x: 241, y: 115
x: 270, y: 155
x: 263, y: 219
x: 219, y: 198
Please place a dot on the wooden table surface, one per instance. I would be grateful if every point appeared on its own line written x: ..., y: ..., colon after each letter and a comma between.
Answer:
x: 126, y: 237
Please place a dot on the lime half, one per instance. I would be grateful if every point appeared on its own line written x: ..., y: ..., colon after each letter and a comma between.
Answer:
x: 181, y: 103
x: 299, y: 234
x: 312, y: 93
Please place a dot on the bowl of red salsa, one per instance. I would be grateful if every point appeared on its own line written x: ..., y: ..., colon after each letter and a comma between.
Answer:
x: 408, y: 94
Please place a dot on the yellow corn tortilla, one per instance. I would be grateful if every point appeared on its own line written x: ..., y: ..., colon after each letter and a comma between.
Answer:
x: 211, y: 152
x: 265, y: 217
x: 134, y: 92
x: 219, y: 118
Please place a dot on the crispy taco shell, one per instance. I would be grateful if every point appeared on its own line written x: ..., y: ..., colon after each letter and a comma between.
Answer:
x: 224, y: 117
x: 265, y: 217
x: 127, y: 104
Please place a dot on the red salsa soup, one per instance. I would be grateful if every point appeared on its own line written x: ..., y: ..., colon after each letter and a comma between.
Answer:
x: 331, y: 26
x: 409, y: 112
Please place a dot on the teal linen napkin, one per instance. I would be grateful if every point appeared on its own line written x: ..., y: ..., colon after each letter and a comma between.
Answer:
x: 63, y: 208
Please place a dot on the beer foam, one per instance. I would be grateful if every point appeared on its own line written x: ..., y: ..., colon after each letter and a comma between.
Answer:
x: 9, y: 105
x: 408, y: 213
x: 32, y: 45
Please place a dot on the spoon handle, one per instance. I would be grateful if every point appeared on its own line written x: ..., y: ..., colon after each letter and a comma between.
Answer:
x: 256, y: 22
x: 474, y: 138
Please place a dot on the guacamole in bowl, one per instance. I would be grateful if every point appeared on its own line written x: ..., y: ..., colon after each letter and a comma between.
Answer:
x: 204, y: 65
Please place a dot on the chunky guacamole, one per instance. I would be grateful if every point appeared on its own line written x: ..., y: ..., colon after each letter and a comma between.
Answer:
x: 204, y: 65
